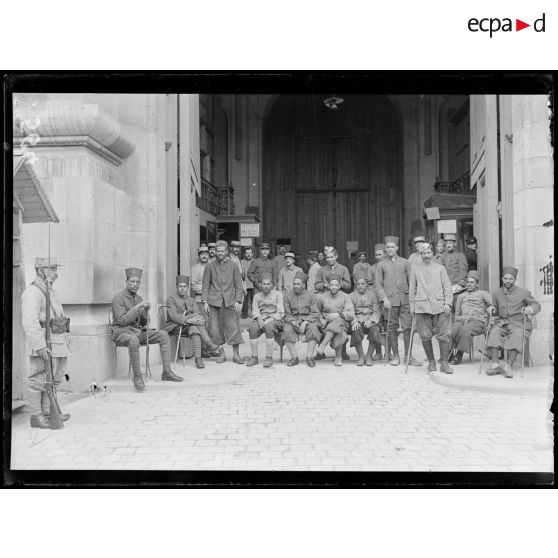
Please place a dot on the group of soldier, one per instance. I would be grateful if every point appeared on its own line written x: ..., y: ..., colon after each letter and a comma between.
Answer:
x: 433, y: 294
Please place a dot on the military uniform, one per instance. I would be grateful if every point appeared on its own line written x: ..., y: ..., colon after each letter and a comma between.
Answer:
x: 259, y: 267
x: 248, y: 287
x: 470, y: 317
x: 337, y: 269
x: 286, y: 278
x: 341, y: 305
x: 301, y: 317
x: 222, y: 287
x: 269, y: 308
x: 363, y: 269
x: 33, y: 302
x: 507, y: 332
x: 368, y: 314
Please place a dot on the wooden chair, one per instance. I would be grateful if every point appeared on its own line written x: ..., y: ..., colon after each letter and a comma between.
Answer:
x: 184, y: 343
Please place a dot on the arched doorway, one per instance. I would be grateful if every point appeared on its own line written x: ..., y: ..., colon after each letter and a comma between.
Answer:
x: 332, y: 176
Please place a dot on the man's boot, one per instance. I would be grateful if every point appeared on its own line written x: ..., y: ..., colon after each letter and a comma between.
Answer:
x: 222, y: 358
x: 45, y: 405
x: 137, y: 379
x: 170, y: 376
x: 444, y: 355
x: 344, y: 354
x: 360, y: 353
x: 457, y: 358
x: 252, y: 361
x: 394, y: 347
x: 198, y: 361
x: 427, y: 346
x: 37, y: 419
x: 369, y: 358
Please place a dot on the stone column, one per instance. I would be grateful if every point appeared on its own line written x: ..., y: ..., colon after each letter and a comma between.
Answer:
x: 533, y: 197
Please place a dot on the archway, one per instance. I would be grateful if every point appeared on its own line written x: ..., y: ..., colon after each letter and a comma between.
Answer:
x: 332, y: 176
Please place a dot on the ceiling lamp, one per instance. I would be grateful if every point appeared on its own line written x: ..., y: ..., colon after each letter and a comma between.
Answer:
x: 333, y: 102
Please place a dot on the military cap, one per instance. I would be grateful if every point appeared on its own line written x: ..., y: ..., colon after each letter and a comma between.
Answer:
x: 264, y: 245
x: 133, y: 272
x: 267, y: 276
x: 328, y: 249
x: 474, y: 274
x: 333, y: 277
x: 419, y: 238
x: 379, y: 247
x: 182, y: 279
x: 44, y: 262
x: 359, y: 253
x: 301, y: 275
x: 471, y: 240
x: 392, y: 239
x: 222, y: 243
x: 235, y: 243
x: 290, y: 255
x: 423, y: 246
x: 312, y: 254
x: 211, y: 245
x: 450, y: 236
x: 510, y: 271
x: 203, y: 249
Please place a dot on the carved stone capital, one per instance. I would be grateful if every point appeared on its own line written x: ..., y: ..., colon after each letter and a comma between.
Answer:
x: 87, y: 121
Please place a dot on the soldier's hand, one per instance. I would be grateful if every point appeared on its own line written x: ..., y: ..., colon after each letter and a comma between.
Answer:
x: 528, y: 311
x: 491, y: 310
x: 44, y: 353
x: 206, y: 307
x: 355, y: 326
x: 387, y: 303
x: 447, y: 309
x: 237, y: 307
x: 260, y: 323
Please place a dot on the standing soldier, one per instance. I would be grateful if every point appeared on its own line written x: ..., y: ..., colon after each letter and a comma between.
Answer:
x: 514, y: 307
x: 247, y: 285
x: 430, y: 299
x: 379, y: 255
x: 260, y: 266
x: 314, y: 267
x: 336, y: 313
x: 363, y: 269
x: 456, y: 265
x: 183, y: 312
x: 415, y: 258
x: 235, y: 254
x: 222, y: 296
x: 335, y: 268
x: 301, y: 317
x: 287, y: 274
x: 367, y: 318
x: 130, y: 328
x: 470, y: 316
x: 211, y: 248
x: 268, y: 313
x: 279, y: 260
x: 197, y: 276
x: 33, y: 301
x: 440, y: 251
x: 471, y: 252
x: 392, y: 287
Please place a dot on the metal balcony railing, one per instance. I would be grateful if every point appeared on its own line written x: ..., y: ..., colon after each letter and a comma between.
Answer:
x: 216, y: 200
x: 460, y: 186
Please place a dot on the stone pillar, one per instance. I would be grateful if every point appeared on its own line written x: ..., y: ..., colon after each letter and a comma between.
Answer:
x: 533, y: 218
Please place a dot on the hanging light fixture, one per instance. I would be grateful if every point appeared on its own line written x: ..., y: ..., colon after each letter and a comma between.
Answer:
x: 333, y: 102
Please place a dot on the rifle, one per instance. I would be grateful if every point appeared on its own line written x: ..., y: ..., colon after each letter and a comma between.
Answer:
x: 55, y: 411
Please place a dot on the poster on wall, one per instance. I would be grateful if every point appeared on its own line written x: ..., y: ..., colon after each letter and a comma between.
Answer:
x: 251, y: 230
x: 447, y: 226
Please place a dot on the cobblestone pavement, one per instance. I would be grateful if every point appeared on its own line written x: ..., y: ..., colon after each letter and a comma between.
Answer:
x: 352, y: 418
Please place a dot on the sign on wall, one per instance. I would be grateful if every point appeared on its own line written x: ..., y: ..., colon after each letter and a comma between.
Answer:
x: 432, y: 213
x: 246, y: 242
x: 447, y: 226
x: 352, y: 245
x: 251, y: 230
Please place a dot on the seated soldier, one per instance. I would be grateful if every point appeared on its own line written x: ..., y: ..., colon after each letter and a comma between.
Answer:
x: 514, y: 307
x: 268, y: 313
x: 301, y: 317
x: 130, y: 328
x: 182, y: 311
x: 367, y: 317
x: 336, y: 313
x: 470, y: 316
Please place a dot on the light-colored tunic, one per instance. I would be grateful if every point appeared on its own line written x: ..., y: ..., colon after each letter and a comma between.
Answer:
x: 472, y: 306
x: 268, y: 306
x: 286, y: 278
x: 429, y: 288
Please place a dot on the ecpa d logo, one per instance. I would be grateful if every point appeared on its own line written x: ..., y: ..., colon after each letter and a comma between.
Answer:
x: 493, y: 25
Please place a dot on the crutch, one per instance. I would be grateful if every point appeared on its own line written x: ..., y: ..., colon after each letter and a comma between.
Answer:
x: 410, y: 343
x: 179, y: 339
x: 523, y: 346
x: 386, y: 349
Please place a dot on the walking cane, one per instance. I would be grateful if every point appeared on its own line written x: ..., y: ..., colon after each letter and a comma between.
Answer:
x: 523, y: 346
x: 147, y: 367
x: 387, y: 337
x: 410, y: 343
x: 178, y: 340
x: 488, y: 330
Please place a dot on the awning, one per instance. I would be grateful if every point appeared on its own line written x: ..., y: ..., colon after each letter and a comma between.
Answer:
x: 451, y: 201
x: 29, y: 195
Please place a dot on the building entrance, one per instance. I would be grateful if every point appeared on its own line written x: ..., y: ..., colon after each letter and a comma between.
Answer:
x: 332, y: 177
